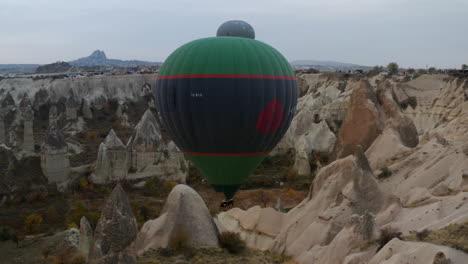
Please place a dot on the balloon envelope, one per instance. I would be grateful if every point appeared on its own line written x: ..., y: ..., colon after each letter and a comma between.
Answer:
x: 226, y: 102
x: 236, y: 28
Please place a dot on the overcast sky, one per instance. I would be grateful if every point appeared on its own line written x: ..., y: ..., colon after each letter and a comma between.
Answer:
x: 414, y: 33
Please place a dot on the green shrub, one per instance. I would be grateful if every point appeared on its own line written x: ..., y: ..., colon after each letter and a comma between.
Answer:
x: 384, y: 173
x: 232, y: 242
x: 166, y: 252
x: 453, y: 235
x: 421, y: 235
x: 179, y: 242
x: 78, y: 211
x: 5, y: 233
x: 32, y: 223
x: 387, y: 234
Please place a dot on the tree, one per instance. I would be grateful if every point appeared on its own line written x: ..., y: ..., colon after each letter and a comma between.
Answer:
x: 411, y: 71
x: 431, y: 70
x: 464, y: 67
x: 392, y: 68
x: 375, y: 70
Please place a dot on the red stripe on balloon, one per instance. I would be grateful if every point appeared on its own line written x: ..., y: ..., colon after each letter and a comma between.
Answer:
x: 226, y: 154
x: 235, y: 76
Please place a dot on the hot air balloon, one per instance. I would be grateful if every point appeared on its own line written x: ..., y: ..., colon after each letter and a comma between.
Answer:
x: 226, y: 102
x: 236, y: 28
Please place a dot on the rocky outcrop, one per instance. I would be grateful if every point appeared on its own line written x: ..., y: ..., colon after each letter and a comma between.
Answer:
x: 2, y: 130
x: 7, y: 101
x: 112, y: 160
x: 53, y: 115
x: 150, y: 156
x: 67, y: 240
x: 86, y: 110
x: 184, y: 216
x: 56, y: 67
x: 98, y: 58
x: 71, y: 107
x: 257, y: 226
x: 25, y: 102
x: 439, y: 98
x: 363, y: 122
x: 86, y: 237
x: 115, y: 232
x: 397, y: 251
x: 20, y: 175
x: 145, y: 144
x: 28, y: 133
x: 54, y: 156
x: 96, y: 89
x: 343, y: 247
x: 340, y: 190
x: 369, y: 115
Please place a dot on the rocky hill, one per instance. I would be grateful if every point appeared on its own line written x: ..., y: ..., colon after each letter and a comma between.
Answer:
x: 99, y: 58
x: 56, y: 67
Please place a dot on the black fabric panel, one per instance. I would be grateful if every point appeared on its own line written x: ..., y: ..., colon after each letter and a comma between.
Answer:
x: 219, y: 115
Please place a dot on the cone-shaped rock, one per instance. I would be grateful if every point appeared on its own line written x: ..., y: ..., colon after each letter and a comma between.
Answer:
x: 362, y: 124
x: 115, y: 232
x: 145, y: 142
x: 8, y: 100
x: 86, y: 237
x: 184, y: 216
x: 112, y: 162
x: 54, y: 157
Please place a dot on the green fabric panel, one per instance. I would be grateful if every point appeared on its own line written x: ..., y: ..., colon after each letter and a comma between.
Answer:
x: 226, y: 170
x: 226, y: 55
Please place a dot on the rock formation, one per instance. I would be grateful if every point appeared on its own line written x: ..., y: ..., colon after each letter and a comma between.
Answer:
x: 184, y: 216
x: 53, y: 115
x: 26, y: 168
x: 86, y: 109
x: 145, y: 143
x: 397, y: 251
x: 54, y: 156
x: 8, y: 101
x: 2, y: 130
x: 150, y: 156
x: 115, y: 232
x: 25, y: 102
x: 28, y: 133
x: 363, y: 122
x: 257, y: 226
x: 86, y: 237
x: 419, y: 182
x: 112, y: 161
x: 71, y: 107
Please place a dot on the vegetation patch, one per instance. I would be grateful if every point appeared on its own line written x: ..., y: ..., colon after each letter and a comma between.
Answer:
x: 386, y: 235
x: 232, y: 242
x: 454, y: 236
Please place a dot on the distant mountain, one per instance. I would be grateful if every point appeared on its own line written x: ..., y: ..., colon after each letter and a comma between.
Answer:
x: 18, y: 68
x: 330, y: 66
x: 99, y: 58
x: 56, y: 67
